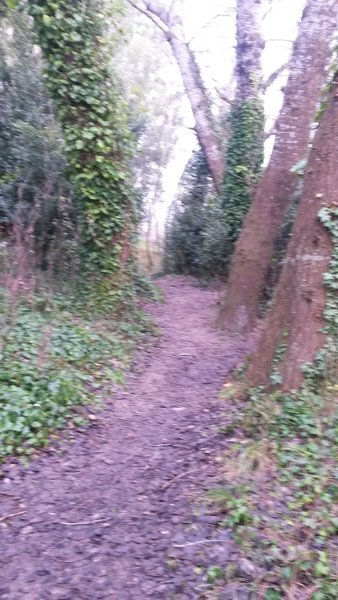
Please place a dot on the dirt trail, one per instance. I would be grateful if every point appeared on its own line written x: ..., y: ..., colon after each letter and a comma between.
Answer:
x: 111, y: 516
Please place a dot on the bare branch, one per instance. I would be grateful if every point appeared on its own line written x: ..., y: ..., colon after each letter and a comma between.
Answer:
x: 269, y: 9
x: 206, y: 25
x: 224, y: 97
x: 12, y: 515
x: 272, y: 78
x: 270, y: 132
x: 157, y: 21
x: 159, y: 11
x: 284, y: 40
x: 80, y: 523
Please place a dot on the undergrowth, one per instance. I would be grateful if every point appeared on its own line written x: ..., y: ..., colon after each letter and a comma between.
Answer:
x: 53, y: 359
x: 286, y: 480
x: 280, y: 496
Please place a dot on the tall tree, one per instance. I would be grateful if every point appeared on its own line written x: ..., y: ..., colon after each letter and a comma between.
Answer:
x: 251, y: 260
x: 309, y: 278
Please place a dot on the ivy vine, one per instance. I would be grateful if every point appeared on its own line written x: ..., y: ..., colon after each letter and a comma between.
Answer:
x: 324, y: 366
x: 95, y: 130
x: 244, y: 160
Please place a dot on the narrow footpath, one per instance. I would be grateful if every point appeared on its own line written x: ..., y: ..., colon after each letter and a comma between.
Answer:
x: 112, y: 514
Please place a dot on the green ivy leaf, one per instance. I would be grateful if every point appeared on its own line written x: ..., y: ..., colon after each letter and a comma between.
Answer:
x: 47, y: 20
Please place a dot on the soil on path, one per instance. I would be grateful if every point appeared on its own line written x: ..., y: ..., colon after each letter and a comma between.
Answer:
x: 111, y: 515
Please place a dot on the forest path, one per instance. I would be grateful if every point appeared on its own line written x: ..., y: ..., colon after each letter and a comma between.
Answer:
x: 111, y: 515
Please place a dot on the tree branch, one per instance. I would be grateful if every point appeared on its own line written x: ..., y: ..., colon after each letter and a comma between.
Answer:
x: 272, y: 78
x: 148, y: 13
x: 224, y: 97
x: 270, y: 132
x: 158, y: 11
x: 207, y: 25
x: 172, y: 27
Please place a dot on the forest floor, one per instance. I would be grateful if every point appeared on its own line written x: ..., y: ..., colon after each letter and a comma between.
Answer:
x: 118, y: 510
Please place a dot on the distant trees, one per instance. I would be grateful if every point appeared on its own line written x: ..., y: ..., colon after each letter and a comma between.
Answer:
x: 192, y: 244
x: 156, y: 106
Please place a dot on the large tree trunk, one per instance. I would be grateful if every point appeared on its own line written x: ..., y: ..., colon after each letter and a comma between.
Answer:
x: 300, y: 298
x: 251, y: 260
x: 171, y: 25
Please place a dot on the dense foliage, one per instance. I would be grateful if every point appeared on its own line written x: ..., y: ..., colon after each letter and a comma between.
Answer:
x: 195, y: 229
x: 66, y: 217
x: 203, y: 229
x: 34, y: 192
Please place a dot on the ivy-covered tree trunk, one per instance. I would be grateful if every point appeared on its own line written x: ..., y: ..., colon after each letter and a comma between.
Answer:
x: 306, y: 298
x: 245, y: 146
x: 253, y: 251
x: 97, y: 144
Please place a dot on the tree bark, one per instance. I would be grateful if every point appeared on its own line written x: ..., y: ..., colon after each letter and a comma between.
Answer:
x: 171, y: 25
x: 200, y: 104
x: 250, y: 263
x: 248, y: 49
x: 300, y: 297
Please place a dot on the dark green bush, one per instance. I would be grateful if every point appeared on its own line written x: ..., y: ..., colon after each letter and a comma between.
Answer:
x: 195, y: 236
x: 34, y: 193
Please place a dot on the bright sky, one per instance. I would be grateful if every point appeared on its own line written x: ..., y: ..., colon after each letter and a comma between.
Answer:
x: 211, y: 27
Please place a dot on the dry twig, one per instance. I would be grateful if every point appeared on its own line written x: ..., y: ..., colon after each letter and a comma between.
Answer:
x: 199, y: 543
x: 180, y: 476
x: 93, y: 522
x: 12, y: 515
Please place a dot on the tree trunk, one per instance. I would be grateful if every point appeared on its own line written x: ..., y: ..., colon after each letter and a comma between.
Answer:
x: 171, y: 25
x: 248, y: 49
x: 245, y: 151
x: 199, y: 103
x: 251, y: 260
x: 300, y: 297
